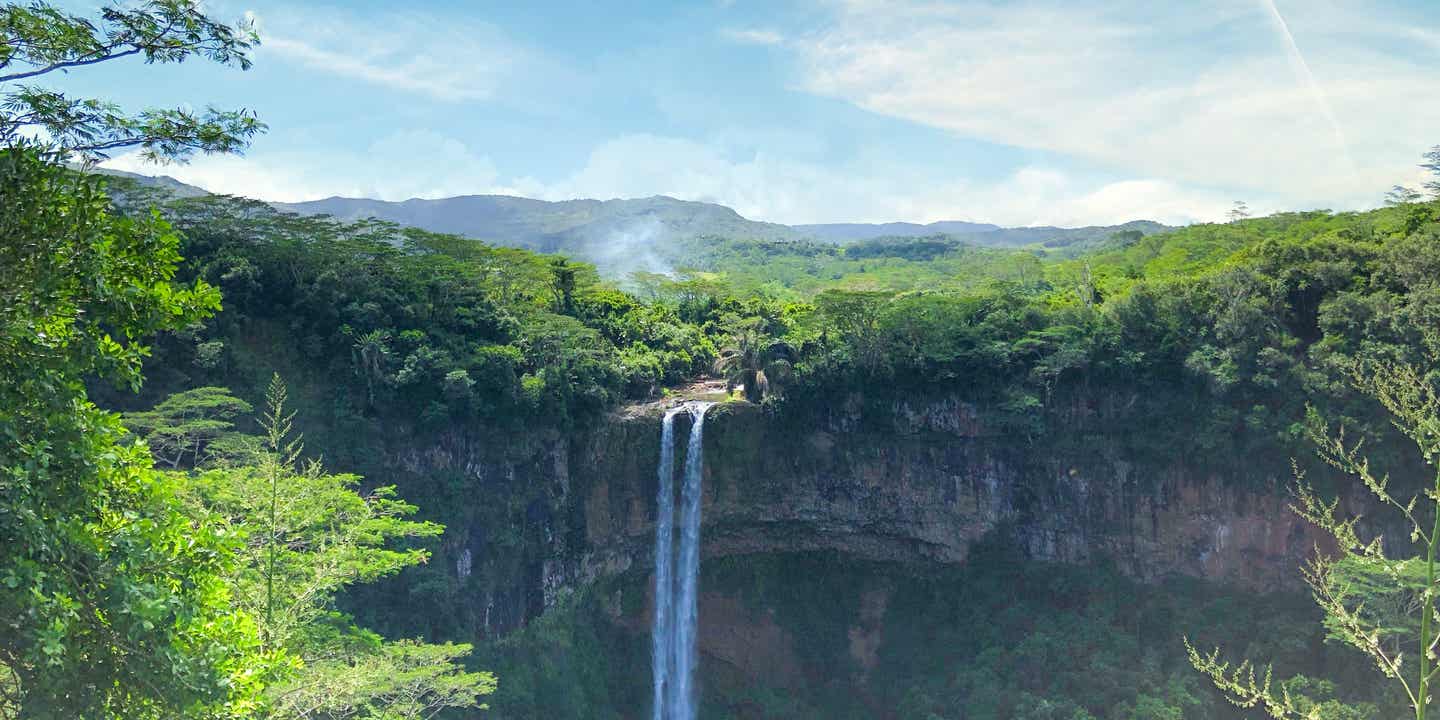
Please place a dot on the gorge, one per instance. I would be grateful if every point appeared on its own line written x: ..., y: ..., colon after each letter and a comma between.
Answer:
x: 914, y: 500
x: 618, y: 451
x: 888, y: 492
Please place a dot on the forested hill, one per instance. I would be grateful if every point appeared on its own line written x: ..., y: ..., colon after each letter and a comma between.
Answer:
x: 551, y: 226
x: 653, y: 234
x: 1206, y: 344
x: 603, y: 231
x: 844, y: 232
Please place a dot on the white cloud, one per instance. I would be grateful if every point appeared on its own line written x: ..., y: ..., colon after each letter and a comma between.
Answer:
x: 757, y: 185
x: 784, y: 189
x: 752, y: 36
x: 412, y: 52
x: 402, y: 165
x: 1196, y: 95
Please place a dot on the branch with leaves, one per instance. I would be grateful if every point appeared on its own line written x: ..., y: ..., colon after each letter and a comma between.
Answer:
x: 1382, y: 605
x: 37, y: 40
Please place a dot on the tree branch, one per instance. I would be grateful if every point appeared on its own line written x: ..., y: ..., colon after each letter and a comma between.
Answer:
x: 69, y: 64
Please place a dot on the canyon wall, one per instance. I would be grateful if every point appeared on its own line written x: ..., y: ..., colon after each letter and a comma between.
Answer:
x: 917, y: 484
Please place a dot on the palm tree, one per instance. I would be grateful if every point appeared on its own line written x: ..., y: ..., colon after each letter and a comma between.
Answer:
x: 370, y: 352
x: 753, y: 360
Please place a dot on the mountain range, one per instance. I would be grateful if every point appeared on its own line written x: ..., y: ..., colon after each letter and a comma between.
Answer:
x: 610, y: 232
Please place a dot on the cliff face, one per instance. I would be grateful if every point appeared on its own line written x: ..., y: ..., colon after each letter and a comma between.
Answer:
x: 926, y: 488
x: 918, y: 486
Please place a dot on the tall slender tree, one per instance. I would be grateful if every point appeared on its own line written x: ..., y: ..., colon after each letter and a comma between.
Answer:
x: 310, y: 534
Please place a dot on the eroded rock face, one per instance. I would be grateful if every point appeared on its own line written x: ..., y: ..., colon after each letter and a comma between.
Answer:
x: 937, y: 483
x: 921, y: 486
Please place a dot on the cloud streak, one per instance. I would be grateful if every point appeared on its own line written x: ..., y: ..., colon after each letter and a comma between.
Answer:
x: 415, y: 53
x: 1200, y: 96
x: 1307, y: 77
x: 753, y: 36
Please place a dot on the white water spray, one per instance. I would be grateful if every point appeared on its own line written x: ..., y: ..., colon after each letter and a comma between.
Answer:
x: 677, y: 583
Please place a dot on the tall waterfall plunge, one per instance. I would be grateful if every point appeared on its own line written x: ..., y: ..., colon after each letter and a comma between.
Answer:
x: 677, y: 570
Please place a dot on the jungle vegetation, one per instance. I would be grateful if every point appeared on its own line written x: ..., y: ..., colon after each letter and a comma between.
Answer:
x: 166, y: 551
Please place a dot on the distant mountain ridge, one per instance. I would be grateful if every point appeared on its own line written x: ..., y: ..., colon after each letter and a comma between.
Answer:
x: 589, y: 228
x: 848, y: 232
x: 549, y: 226
x: 625, y: 234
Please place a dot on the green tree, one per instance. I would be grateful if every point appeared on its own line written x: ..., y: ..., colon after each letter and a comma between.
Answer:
x: 197, y: 424
x: 309, y: 534
x: 37, y: 40
x: 1402, y: 195
x: 112, y: 596
x: 751, y: 359
x: 1431, y: 164
x: 112, y: 600
x: 403, y: 680
x: 562, y: 286
x: 855, y: 316
x: 1382, y: 605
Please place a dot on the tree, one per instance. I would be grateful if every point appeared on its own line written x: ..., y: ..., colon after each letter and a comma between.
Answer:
x: 751, y: 359
x: 309, y: 534
x: 1401, y: 195
x: 562, y: 286
x: 371, y: 352
x: 112, y: 600
x: 37, y: 39
x: 197, y: 424
x: 111, y: 595
x: 1432, y: 165
x: 403, y: 680
x: 855, y: 315
x: 1238, y: 211
x: 1382, y: 605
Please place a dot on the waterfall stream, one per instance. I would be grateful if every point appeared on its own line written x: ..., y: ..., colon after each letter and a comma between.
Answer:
x: 677, y: 578
x: 661, y: 637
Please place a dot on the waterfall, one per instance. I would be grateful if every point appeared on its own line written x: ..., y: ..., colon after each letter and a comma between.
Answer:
x: 677, y: 581
x: 661, y: 637
x: 683, y: 697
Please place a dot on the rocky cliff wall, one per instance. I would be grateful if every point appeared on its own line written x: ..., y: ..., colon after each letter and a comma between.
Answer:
x: 536, y: 517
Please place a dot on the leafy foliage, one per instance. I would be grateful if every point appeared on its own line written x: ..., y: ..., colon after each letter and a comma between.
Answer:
x: 113, y: 597
x: 37, y: 39
x: 308, y: 535
x: 1379, y: 600
x: 196, y: 424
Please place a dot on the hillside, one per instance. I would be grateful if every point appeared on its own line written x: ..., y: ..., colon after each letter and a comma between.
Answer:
x: 618, y: 236
x: 654, y: 234
x: 847, y: 232
x: 637, y: 234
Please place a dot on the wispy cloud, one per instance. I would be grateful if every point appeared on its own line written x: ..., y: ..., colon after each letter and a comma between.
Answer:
x: 404, y: 164
x: 777, y: 188
x: 1196, y: 95
x: 416, y: 53
x: 752, y: 36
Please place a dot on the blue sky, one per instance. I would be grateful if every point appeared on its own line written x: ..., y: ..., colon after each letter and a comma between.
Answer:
x: 1021, y: 113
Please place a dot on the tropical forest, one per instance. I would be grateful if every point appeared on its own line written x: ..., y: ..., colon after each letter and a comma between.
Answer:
x: 641, y: 444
